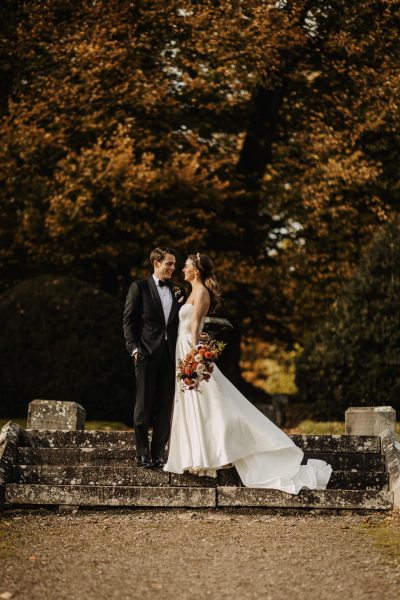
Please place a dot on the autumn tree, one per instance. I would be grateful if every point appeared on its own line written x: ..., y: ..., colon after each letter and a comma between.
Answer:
x: 265, y: 133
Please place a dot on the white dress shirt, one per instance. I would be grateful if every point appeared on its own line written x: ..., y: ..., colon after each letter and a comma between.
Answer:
x: 165, y: 296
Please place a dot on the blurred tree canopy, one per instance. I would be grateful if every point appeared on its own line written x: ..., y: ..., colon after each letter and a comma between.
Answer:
x: 353, y: 359
x: 263, y: 133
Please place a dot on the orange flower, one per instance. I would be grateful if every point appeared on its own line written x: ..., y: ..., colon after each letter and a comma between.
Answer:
x: 209, y: 354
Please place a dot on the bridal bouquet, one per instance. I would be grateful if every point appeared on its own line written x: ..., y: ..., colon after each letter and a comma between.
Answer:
x: 198, y: 365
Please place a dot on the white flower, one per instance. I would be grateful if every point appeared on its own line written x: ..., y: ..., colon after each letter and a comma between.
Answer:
x: 200, y: 368
x: 198, y: 358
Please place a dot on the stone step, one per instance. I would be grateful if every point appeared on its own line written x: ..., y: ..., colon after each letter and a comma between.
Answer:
x: 349, y: 461
x: 126, y: 439
x: 133, y: 476
x: 338, y: 443
x: 361, y: 480
x: 76, y: 456
x: 76, y: 439
x: 126, y: 457
x: 110, y: 495
x: 30, y: 494
x: 117, y: 475
x: 339, y: 499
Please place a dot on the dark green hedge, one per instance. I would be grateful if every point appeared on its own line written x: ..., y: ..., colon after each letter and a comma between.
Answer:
x: 353, y: 359
x: 62, y: 339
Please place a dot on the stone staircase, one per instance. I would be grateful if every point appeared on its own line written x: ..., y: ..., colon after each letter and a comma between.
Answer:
x: 97, y: 468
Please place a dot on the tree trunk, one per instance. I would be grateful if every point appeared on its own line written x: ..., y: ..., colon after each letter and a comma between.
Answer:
x: 257, y: 147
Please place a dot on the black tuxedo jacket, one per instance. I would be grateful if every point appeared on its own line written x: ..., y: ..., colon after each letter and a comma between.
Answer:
x: 144, y: 321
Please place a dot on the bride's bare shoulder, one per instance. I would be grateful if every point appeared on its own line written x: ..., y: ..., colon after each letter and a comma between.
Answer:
x: 201, y: 293
x: 201, y: 299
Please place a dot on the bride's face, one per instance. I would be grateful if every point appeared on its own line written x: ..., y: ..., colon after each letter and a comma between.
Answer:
x: 190, y: 270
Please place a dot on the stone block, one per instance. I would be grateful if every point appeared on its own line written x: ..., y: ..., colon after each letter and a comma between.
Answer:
x: 55, y: 414
x: 9, y: 437
x: 90, y: 475
x: 358, y: 480
x: 325, y: 499
x: 190, y: 480
x: 8, y: 453
x: 337, y: 443
x: 77, y: 456
x: 10, y: 432
x: 110, y: 496
x: 392, y: 458
x: 348, y: 461
x: 79, y: 438
x: 369, y: 420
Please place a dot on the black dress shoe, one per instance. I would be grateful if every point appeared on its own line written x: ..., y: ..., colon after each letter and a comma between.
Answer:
x: 158, y: 462
x: 143, y: 461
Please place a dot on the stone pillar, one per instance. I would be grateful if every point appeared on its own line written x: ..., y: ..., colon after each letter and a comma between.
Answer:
x: 9, y: 437
x: 391, y: 450
x: 369, y: 420
x: 55, y: 414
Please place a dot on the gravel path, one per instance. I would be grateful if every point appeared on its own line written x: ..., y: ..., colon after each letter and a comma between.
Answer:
x: 180, y: 554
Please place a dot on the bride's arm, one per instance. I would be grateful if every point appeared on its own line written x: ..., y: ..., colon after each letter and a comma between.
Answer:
x: 200, y: 309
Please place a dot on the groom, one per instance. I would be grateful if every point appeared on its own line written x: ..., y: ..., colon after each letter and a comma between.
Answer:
x: 150, y: 329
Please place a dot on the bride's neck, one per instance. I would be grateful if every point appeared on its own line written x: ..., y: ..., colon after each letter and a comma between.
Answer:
x: 196, y: 285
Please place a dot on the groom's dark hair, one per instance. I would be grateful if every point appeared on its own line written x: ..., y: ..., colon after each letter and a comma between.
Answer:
x: 159, y: 254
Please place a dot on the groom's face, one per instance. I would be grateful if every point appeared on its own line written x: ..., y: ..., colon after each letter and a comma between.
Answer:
x: 163, y: 269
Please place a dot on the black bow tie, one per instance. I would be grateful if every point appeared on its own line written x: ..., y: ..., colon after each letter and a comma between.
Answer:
x: 161, y: 283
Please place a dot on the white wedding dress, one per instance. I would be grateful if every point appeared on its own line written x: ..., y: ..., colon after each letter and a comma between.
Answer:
x: 219, y: 427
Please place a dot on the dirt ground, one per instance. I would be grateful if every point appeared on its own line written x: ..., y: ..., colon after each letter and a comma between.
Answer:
x: 182, y: 554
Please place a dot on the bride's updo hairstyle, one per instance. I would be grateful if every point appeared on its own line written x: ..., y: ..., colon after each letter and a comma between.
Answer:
x: 205, y: 266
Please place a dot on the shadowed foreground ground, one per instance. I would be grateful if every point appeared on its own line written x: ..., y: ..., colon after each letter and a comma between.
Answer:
x: 129, y: 554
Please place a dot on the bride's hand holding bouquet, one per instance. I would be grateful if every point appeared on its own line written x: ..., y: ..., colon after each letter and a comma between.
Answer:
x: 198, y: 364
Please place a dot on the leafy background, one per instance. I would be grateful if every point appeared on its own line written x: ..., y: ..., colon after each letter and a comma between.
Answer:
x: 263, y: 133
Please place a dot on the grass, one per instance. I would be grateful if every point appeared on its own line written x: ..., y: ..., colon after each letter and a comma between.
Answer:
x: 107, y: 425
x: 310, y: 427
x: 385, y: 533
x: 20, y: 422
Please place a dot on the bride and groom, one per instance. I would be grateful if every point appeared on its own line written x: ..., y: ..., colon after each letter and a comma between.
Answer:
x: 213, y: 429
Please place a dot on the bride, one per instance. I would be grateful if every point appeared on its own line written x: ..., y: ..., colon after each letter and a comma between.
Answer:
x: 218, y: 427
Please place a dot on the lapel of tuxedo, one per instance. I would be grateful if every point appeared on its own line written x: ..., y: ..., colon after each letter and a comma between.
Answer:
x: 174, y: 308
x: 156, y: 297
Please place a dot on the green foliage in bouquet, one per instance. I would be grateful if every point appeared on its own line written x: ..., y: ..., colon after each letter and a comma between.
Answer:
x: 62, y: 339
x: 353, y: 359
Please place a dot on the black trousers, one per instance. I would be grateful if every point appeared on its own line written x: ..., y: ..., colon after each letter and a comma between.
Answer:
x: 155, y: 387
